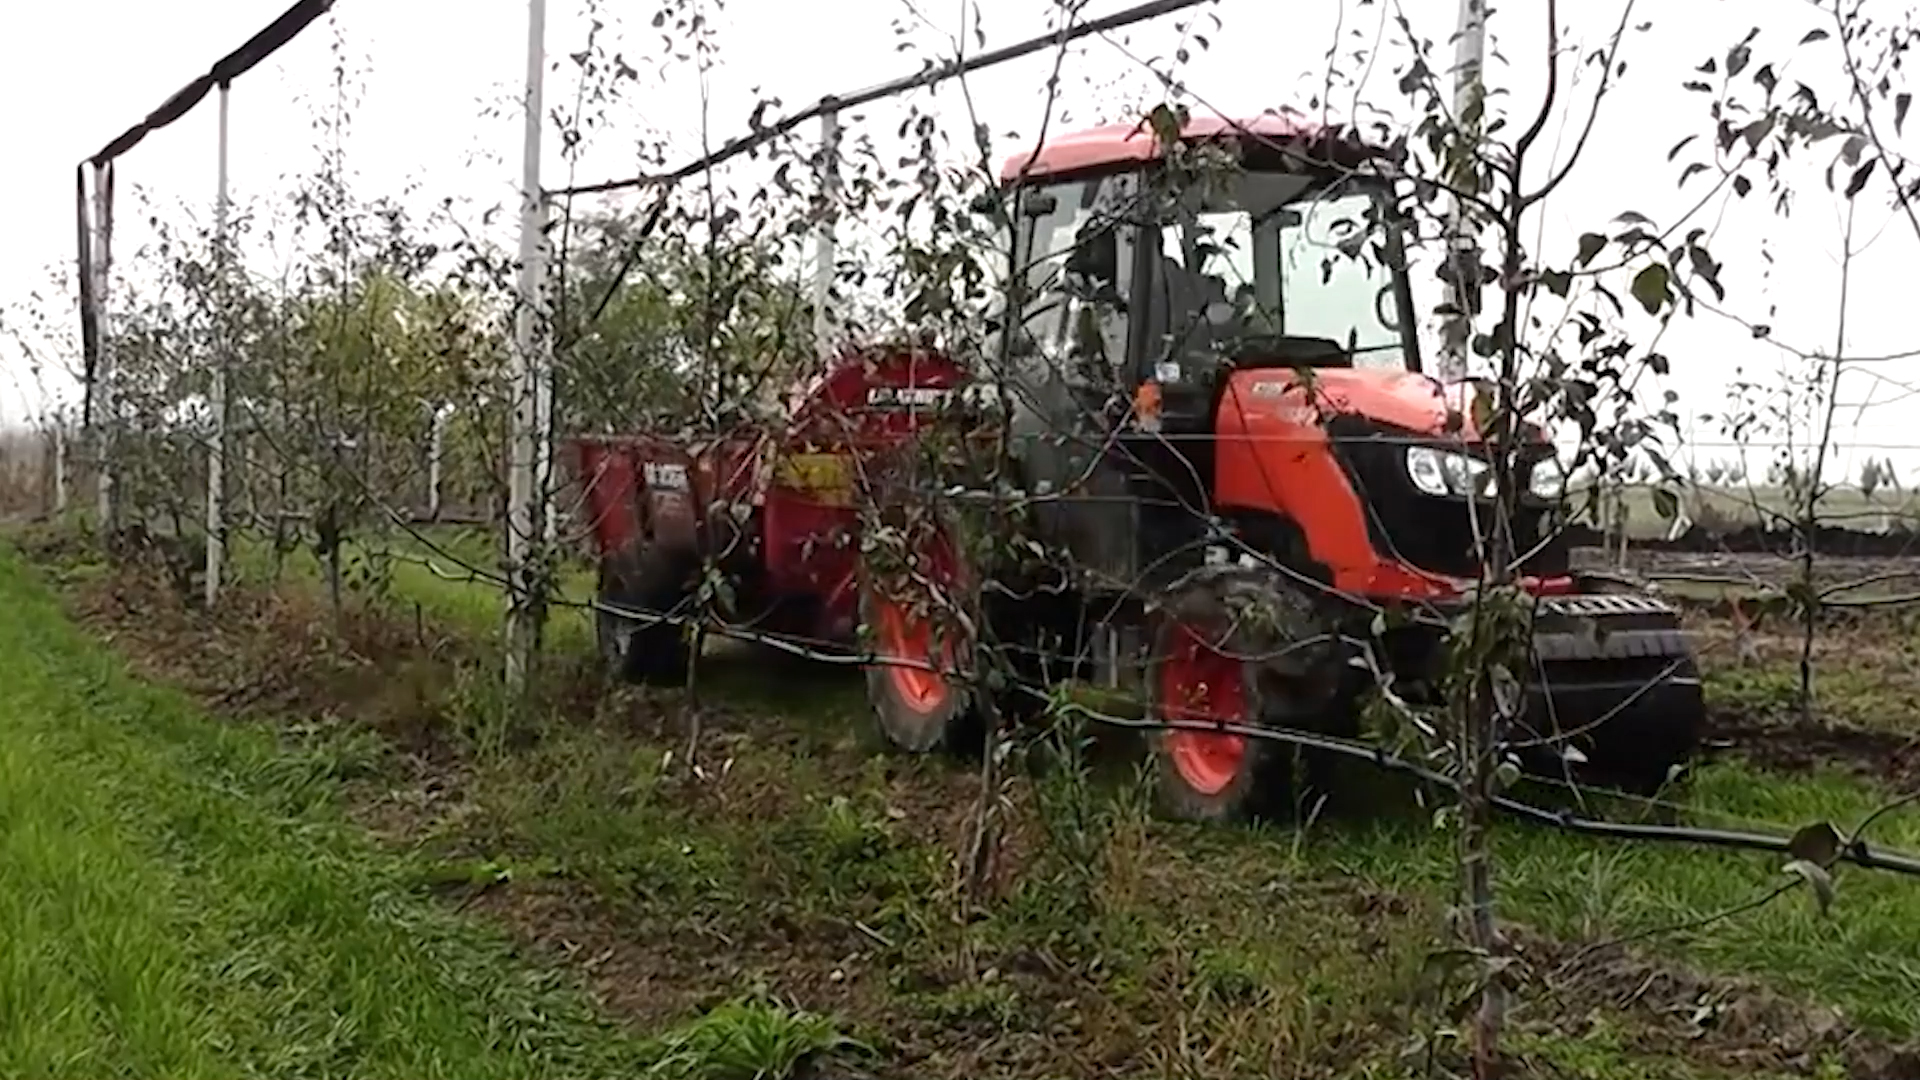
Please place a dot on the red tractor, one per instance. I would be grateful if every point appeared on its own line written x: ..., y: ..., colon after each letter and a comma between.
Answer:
x: 1213, y: 420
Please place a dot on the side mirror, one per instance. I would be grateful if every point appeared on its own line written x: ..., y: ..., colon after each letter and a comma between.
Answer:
x: 1033, y: 204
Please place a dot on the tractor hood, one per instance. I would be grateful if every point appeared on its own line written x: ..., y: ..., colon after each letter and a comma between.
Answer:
x: 1403, y: 399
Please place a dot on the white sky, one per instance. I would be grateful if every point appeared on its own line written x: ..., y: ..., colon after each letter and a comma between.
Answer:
x: 74, y: 75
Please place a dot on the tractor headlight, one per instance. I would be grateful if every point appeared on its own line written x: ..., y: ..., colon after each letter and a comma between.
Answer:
x: 1443, y: 472
x: 1548, y: 480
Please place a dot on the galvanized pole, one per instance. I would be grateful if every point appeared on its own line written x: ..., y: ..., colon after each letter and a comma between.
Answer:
x: 59, y: 465
x: 217, y: 451
x: 436, y: 446
x: 105, y: 406
x: 532, y: 384
x: 825, y: 249
x: 1469, y: 102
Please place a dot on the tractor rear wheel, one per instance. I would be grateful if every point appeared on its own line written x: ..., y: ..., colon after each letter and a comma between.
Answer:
x: 1246, y: 648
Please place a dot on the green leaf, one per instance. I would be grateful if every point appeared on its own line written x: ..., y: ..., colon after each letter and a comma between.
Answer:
x: 1813, y: 36
x: 1650, y: 287
x: 1817, y: 879
x: 1590, y: 246
x: 1737, y: 58
x: 1165, y: 123
x: 1818, y: 843
x: 1706, y: 269
x: 1901, y: 103
x: 1506, y: 774
x: 1481, y: 408
x: 1859, y: 178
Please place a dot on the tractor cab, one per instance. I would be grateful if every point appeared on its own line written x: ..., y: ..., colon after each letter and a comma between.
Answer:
x: 1145, y: 276
x: 1254, y: 245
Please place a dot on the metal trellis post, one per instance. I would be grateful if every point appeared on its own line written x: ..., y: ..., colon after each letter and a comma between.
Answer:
x: 1469, y: 95
x: 531, y: 454
x: 217, y: 450
x: 825, y: 248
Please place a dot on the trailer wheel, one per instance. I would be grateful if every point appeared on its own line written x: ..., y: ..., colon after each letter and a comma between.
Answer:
x: 1237, y: 647
x: 921, y: 700
x: 634, y: 650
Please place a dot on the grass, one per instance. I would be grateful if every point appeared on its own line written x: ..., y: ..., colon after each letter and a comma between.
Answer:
x: 451, y: 571
x: 183, y: 897
x: 745, y: 1039
x: 1856, y: 958
x: 1570, y: 887
x: 799, y: 876
x: 1721, y: 507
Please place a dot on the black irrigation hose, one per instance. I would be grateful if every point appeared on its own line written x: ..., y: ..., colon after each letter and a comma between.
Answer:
x: 1857, y: 853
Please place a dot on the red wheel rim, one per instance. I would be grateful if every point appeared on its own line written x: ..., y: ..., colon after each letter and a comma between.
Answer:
x: 1198, y: 682
x: 905, y: 634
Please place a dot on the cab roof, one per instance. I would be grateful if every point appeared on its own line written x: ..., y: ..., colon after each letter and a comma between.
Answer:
x: 1132, y: 143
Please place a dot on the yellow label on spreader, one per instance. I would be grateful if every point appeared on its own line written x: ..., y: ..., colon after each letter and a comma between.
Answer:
x: 826, y: 477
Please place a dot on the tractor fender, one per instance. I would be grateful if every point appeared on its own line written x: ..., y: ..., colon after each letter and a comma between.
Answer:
x: 1282, y: 539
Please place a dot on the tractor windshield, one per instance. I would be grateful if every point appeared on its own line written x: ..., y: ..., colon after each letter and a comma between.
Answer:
x: 1263, y: 255
x: 1113, y: 287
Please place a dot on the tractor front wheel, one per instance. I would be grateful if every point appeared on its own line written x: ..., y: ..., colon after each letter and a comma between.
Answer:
x: 1238, y: 648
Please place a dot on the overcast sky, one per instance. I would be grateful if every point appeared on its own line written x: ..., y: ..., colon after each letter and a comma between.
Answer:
x: 438, y: 78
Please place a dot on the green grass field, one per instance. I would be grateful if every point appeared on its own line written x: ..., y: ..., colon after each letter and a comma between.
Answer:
x: 186, y: 897
x: 344, y: 879
x: 1723, y: 507
x: 182, y: 897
